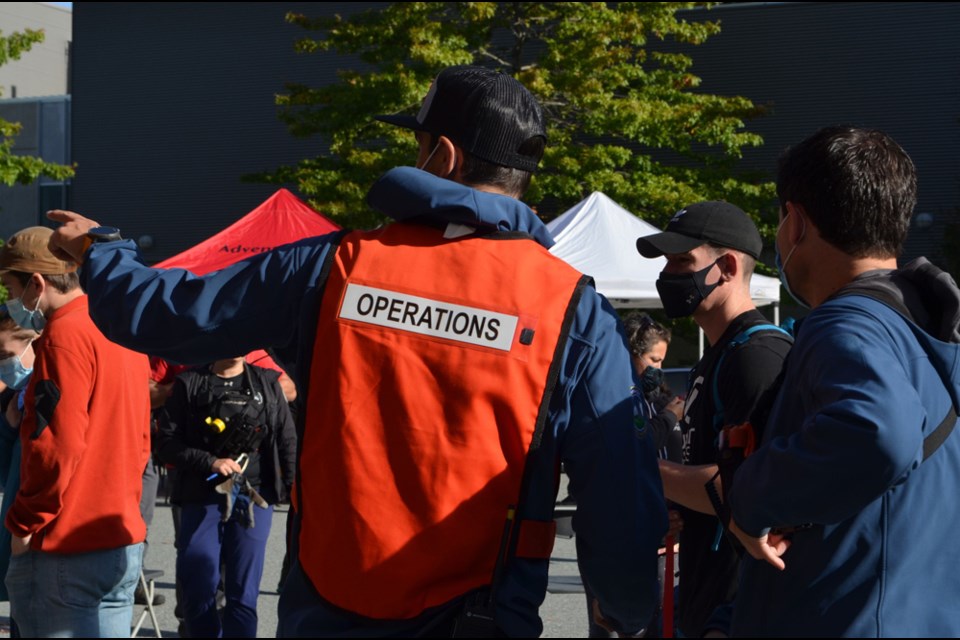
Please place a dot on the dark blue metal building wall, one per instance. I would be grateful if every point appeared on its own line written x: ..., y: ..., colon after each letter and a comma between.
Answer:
x: 173, y: 102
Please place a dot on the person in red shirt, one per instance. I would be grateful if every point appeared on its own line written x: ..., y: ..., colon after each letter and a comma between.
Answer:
x: 77, y: 532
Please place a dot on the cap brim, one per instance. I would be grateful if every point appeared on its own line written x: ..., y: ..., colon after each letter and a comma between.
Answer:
x: 407, y: 122
x: 656, y: 245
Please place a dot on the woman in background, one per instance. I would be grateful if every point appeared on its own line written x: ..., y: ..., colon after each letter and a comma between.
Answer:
x: 648, y: 341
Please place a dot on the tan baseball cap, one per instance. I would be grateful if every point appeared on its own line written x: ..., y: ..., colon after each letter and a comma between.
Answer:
x: 27, y: 251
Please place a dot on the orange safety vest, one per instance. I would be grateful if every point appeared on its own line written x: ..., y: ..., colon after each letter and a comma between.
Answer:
x: 431, y: 373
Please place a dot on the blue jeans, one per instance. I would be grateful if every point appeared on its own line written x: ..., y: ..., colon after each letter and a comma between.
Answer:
x: 86, y: 595
x: 203, y: 546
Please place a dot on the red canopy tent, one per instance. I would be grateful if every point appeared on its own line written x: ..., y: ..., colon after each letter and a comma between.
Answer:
x: 282, y: 218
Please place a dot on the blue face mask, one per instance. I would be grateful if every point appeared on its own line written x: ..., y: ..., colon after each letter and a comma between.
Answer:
x: 26, y: 318
x: 13, y: 373
x: 782, y: 265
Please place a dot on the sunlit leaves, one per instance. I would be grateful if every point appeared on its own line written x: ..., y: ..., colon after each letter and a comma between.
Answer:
x: 14, y: 168
x: 615, y: 80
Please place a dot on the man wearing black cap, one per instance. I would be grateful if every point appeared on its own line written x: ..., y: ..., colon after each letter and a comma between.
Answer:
x: 449, y: 363
x: 711, y: 250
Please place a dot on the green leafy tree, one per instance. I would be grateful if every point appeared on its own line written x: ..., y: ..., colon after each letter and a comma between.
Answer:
x: 623, y: 113
x: 14, y: 168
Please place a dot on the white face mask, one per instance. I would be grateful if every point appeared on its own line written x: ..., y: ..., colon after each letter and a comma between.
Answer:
x: 429, y: 157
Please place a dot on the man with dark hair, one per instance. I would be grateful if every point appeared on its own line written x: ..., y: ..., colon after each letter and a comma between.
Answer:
x: 448, y: 364
x: 711, y: 250
x: 849, y: 498
x: 77, y: 532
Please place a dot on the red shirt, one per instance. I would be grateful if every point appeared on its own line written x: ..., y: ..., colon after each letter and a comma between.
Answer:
x: 84, y: 453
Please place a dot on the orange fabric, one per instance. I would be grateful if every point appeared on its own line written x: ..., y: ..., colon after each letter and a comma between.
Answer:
x: 415, y: 444
x: 262, y: 359
x: 81, y: 478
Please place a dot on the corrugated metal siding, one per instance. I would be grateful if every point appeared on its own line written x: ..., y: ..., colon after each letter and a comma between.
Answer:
x: 45, y: 124
x: 893, y: 66
x: 174, y: 102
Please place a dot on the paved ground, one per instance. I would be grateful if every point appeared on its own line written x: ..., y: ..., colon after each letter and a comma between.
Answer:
x: 564, y: 614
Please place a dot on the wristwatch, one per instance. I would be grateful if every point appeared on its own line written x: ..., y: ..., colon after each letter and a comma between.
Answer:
x: 100, y: 234
x: 104, y: 234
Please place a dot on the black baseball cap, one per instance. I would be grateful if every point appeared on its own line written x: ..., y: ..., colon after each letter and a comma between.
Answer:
x: 713, y: 222
x: 486, y: 113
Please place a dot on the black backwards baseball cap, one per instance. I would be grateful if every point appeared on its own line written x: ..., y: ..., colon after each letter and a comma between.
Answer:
x: 713, y: 222
x: 486, y: 113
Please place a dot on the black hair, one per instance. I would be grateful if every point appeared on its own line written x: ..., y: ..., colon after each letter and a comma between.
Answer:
x: 511, y: 181
x: 858, y: 187
x: 643, y: 332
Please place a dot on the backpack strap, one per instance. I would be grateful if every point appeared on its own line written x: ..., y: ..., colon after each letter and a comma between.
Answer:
x: 939, y: 435
x: 740, y: 339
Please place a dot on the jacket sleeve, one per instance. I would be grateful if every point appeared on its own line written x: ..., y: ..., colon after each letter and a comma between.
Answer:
x: 610, y: 459
x: 286, y: 442
x: 849, y: 428
x: 56, y: 422
x: 173, y: 421
x: 176, y: 315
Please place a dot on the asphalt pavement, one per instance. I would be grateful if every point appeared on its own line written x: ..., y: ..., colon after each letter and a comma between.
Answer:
x: 564, y: 614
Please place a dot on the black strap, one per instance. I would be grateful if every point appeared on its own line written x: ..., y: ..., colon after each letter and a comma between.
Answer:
x: 933, y: 441
x: 939, y: 435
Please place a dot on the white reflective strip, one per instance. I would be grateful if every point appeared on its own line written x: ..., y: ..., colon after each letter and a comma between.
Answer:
x: 428, y: 317
x: 427, y: 103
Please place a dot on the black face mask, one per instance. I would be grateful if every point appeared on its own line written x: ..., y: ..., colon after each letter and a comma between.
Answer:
x: 651, y: 380
x: 682, y: 293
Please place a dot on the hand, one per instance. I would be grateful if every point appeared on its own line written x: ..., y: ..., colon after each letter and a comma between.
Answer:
x: 767, y: 547
x: 19, y: 546
x: 69, y: 242
x: 603, y: 622
x: 675, y: 407
x: 598, y: 616
x: 226, y: 466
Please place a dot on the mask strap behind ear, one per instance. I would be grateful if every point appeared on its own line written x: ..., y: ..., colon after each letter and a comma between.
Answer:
x: 429, y: 157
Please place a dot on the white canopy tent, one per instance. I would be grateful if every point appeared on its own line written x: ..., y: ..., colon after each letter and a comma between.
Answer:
x: 598, y: 237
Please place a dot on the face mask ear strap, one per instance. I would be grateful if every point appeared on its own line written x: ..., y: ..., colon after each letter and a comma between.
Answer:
x: 429, y: 157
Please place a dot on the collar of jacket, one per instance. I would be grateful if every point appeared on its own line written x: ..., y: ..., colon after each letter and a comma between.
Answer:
x: 406, y: 193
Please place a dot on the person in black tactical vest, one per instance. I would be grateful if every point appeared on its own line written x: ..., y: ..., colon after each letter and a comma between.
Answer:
x: 228, y: 431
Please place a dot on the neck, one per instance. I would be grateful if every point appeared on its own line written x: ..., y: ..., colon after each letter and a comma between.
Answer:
x: 715, y: 323
x: 55, y: 299
x: 227, y: 369
x: 715, y: 320
x: 834, y: 274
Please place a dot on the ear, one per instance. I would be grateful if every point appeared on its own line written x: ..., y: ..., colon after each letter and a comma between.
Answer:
x: 796, y: 222
x: 39, y: 284
x: 447, y: 158
x: 729, y: 266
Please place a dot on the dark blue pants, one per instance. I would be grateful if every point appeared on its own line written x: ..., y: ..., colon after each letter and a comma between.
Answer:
x: 203, y: 544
